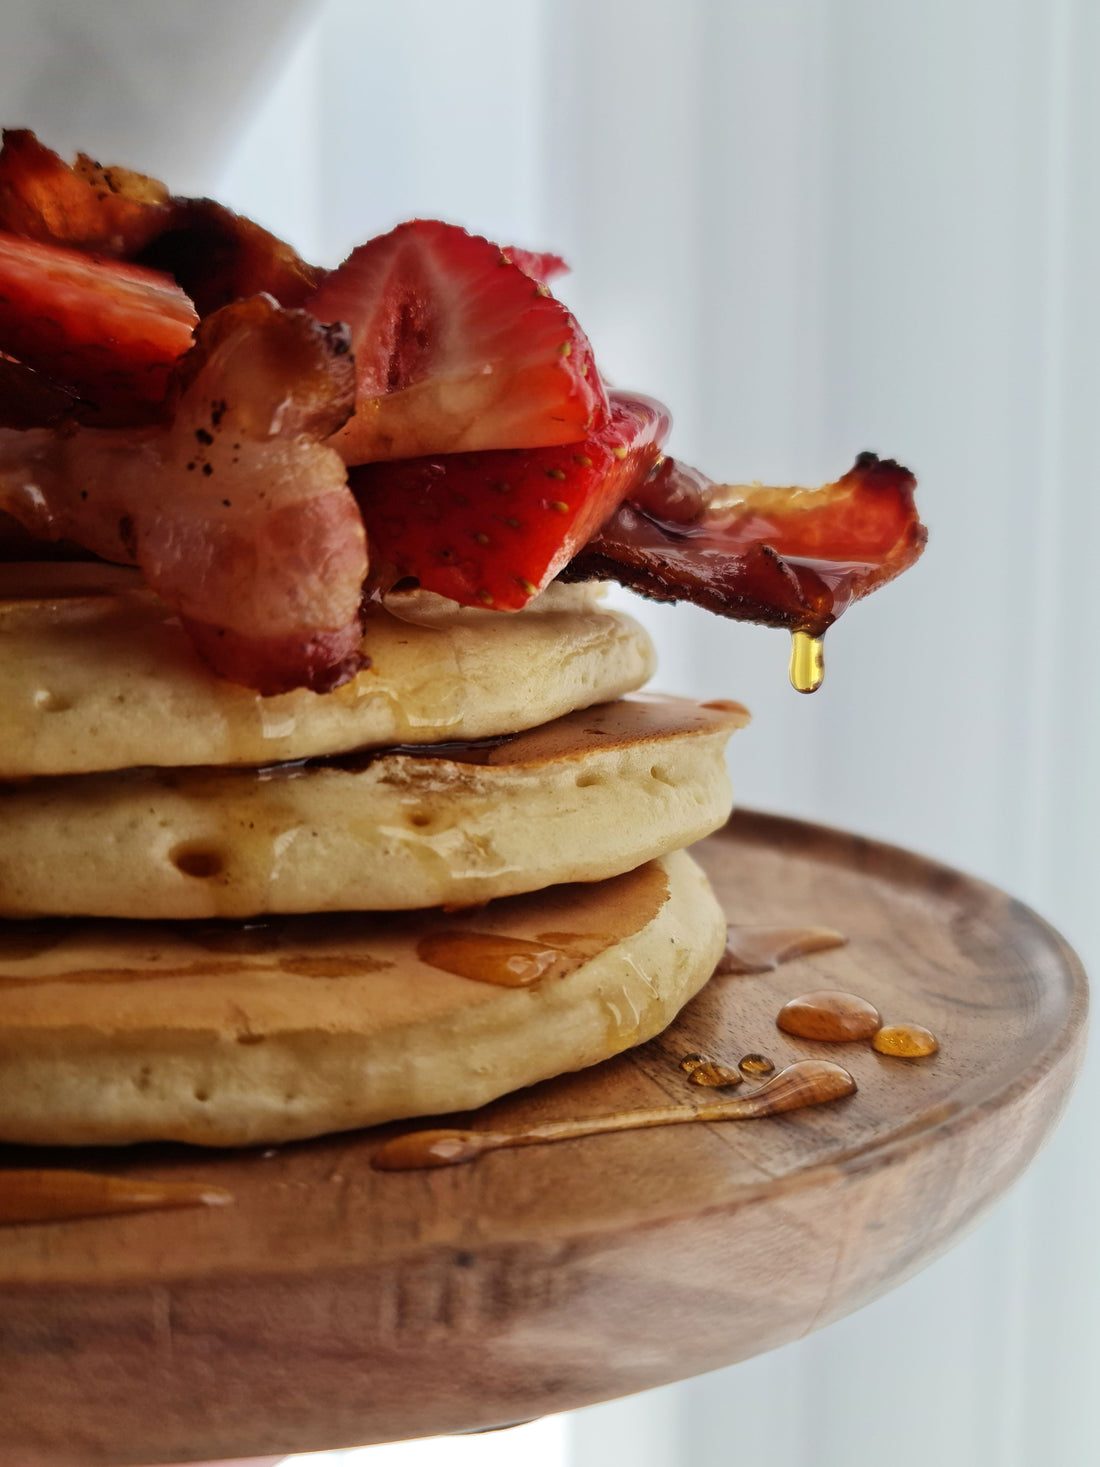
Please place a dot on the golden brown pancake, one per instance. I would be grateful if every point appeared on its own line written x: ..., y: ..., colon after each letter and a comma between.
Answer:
x: 96, y: 673
x: 588, y: 796
x: 224, y: 1035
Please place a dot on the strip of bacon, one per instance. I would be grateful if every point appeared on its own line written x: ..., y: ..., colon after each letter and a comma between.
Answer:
x: 237, y: 511
x: 787, y: 557
x: 105, y: 211
x: 215, y: 255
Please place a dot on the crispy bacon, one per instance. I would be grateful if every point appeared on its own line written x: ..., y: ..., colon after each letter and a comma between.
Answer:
x: 218, y: 257
x: 792, y: 558
x: 105, y: 211
x: 237, y: 512
x: 215, y: 255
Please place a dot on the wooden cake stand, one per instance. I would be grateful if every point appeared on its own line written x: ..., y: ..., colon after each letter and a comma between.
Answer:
x: 334, y: 1305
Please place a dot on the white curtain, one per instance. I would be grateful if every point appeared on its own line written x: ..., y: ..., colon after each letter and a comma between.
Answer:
x: 813, y: 227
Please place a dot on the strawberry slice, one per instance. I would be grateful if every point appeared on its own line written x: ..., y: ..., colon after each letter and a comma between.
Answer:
x: 540, y: 267
x: 492, y: 529
x: 107, y: 331
x: 458, y: 348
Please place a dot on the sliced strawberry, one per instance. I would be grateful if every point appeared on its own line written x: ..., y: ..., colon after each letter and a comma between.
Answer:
x: 457, y: 348
x: 107, y: 331
x: 492, y: 529
x: 540, y: 267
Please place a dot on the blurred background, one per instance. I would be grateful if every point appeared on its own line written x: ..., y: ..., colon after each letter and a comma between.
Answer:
x: 812, y: 227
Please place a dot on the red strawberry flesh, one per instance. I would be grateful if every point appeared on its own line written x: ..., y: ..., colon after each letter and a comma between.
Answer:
x: 492, y: 529
x: 107, y: 331
x: 457, y: 348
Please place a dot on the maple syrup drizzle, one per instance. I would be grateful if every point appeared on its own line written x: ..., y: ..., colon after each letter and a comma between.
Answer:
x: 755, y: 1064
x: 51, y: 1196
x: 509, y: 962
x: 762, y: 949
x: 830, y: 1016
x: 905, y: 1041
x: 703, y: 1071
x: 807, y: 667
x: 806, y: 1082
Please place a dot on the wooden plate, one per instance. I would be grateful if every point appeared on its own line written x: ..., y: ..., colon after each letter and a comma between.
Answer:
x: 334, y: 1305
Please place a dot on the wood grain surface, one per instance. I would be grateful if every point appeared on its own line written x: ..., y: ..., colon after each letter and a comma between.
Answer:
x: 333, y: 1305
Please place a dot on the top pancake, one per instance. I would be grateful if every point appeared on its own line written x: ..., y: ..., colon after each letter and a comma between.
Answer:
x: 96, y: 674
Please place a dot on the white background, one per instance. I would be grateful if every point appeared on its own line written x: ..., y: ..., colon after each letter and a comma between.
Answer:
x: 813, y: 227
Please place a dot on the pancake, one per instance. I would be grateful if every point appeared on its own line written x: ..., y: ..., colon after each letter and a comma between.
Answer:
x: 585, y: 797
x: 96, y: 674
x: 224, y: 1035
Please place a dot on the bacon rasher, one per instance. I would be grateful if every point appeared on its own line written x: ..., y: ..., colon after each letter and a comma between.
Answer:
x: 236, y: 510
x: 215, y: 255
x: 786, y: 557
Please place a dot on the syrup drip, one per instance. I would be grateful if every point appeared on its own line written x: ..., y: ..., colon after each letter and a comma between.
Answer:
x: 830, y: 1016
x: 762, y: 949
x: 509, y: 962
x: 703, y: 1071
x: 50, y: 1196
x: 755, y: 1064
x: 905, y: 1041
x: 806, y: 1082
x: 807, y: 667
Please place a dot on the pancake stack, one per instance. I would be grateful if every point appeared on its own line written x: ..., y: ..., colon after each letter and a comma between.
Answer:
x: 231, y: 919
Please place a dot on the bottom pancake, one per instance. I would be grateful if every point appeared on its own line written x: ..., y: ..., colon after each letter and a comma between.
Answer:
x: 231, y: 1035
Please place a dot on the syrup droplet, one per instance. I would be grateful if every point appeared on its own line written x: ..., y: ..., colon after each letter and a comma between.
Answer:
x: 703, y: 1071
x: 905, y: 1041
x: 762, y: 949
x: 807, y: 669
x: 830, y: 1016
x: 486, y: 957
x: 806, y: 1082
x: 755, y: 1064
x: 50, y: 1196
